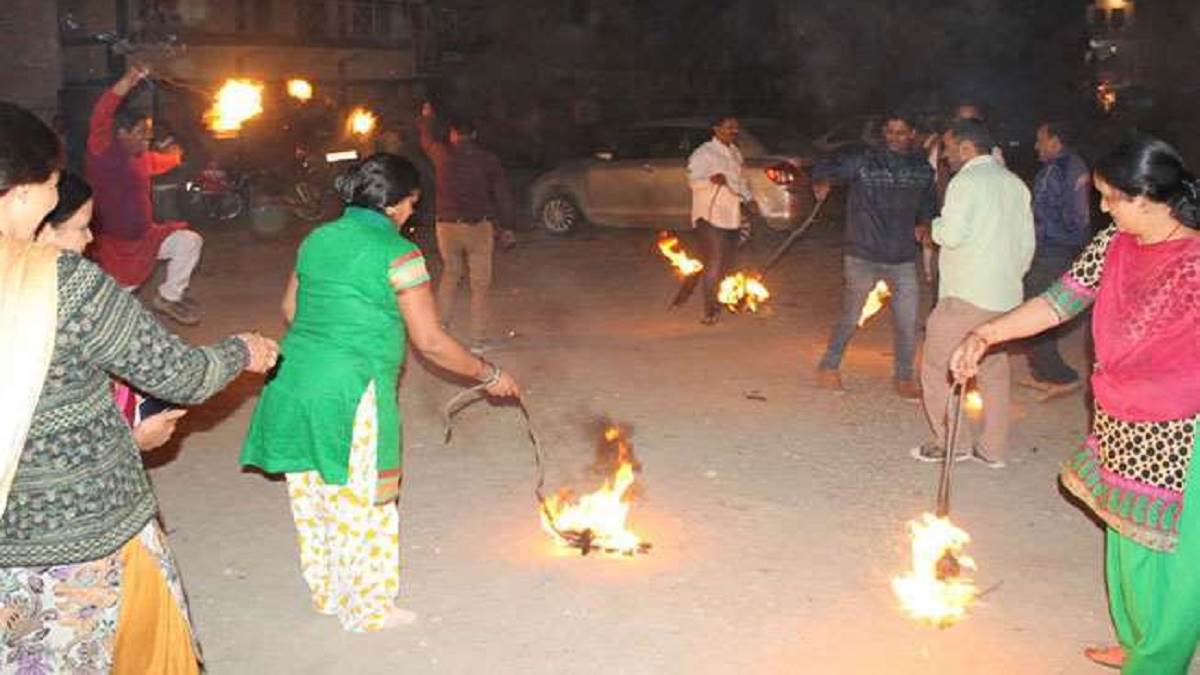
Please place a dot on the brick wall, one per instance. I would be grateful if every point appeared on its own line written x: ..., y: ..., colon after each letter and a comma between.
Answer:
x: 33, y: 72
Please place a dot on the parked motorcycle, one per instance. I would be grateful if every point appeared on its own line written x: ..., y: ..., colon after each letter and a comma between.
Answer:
x: 312, y: 196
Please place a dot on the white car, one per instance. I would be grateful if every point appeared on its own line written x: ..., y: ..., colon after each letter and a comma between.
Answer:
x: 641, y: 180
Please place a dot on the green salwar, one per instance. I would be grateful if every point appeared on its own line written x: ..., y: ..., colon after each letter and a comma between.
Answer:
x: 1154, y: 596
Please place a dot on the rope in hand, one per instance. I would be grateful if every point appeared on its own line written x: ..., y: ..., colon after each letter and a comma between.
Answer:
x: 467, y: 397
x: 584, y: 541
x: 954, y: 406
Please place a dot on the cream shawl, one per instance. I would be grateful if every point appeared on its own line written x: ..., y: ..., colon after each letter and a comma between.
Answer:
x: 28, y: 321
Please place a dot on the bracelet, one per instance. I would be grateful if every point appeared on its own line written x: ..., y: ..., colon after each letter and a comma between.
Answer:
x: 493, y: 375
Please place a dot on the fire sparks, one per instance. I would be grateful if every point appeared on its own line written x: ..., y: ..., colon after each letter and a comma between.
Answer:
x: 875, y: 302
x: 683, y: 263
x: 236, y: 102
x: 301, y: 90
x: 362, y: 121
x: 741, y: 290
x: 935, y: 590
x: 596, y: 521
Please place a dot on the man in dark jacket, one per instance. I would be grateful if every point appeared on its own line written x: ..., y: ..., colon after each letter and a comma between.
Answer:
x: 1062, y: 222
x: 890, y: 203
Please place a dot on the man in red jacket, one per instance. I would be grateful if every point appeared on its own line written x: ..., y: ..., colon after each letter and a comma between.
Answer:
x: 119, y: 167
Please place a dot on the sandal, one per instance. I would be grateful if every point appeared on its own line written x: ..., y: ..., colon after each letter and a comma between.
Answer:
x: 1112, y: 656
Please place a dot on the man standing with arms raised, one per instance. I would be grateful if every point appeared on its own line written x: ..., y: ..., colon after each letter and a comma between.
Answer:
x: 987, y: 242
x: 119, y: 167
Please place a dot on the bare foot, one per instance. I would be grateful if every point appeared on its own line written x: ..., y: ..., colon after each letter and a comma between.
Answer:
x: 399, y: 617
x: 1112, y: 656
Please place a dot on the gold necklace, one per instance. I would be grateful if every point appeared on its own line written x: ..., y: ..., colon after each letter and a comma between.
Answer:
x: 1169, y: 235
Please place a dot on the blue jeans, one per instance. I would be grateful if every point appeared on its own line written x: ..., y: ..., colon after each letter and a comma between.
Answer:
x: 861, y: 276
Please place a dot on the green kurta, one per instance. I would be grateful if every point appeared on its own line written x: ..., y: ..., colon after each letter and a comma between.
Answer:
x: 347, y: 332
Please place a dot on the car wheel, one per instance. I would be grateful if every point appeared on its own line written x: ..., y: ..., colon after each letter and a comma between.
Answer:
x: 559, y: 214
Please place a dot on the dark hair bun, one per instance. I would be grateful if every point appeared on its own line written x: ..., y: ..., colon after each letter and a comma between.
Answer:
x: 1145, y: 166
x: 29, y: 151
x: 379, y: 181
x: 73, y: 193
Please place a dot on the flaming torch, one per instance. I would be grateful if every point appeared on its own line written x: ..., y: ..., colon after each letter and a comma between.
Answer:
x: 875, y: 302
x: 596, y: 521
x: 236, y: 101
x: 301, y: 90
x: 684, y: 264
x: 935, y: 591
x: 742, y: 291
x: 362, y: 121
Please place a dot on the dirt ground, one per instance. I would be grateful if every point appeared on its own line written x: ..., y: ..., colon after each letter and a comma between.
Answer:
x: 776, y: 523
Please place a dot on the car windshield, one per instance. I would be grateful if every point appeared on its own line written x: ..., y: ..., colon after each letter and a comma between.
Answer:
x: 777, y: 138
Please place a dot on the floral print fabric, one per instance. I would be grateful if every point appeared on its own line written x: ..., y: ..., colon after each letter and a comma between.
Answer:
x: 349, y: 547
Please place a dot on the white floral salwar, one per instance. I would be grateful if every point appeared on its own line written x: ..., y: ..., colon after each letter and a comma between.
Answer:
x: 349, y: 547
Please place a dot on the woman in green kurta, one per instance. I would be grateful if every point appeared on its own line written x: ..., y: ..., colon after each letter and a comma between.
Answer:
x: 329, y: 417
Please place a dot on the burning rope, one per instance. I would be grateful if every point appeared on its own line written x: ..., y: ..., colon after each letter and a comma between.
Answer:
x: 582, y: 540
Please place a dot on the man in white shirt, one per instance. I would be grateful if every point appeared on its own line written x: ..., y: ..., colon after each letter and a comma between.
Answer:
x: 719, y: 192
x: 987, y: 242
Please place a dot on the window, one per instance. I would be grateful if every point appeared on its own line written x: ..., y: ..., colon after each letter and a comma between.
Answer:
x: 253, y: 15
x: 366, y: 18
x: 654, y: 143
x: 578, y: 11
x: 312, y: 19
x: 1117, y: 19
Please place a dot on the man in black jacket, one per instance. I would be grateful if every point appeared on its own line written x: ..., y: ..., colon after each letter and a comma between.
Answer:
x: 889, y: 206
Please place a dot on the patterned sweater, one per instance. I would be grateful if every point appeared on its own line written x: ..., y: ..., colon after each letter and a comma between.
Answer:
x: 80, y: 491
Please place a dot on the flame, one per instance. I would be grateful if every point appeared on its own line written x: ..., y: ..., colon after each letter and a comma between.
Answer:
x: 680, y: 260
x: 934, y: 591
x: 875, y: 301
x: 741, y: 290
x: 299, y: 89
x: 596, y: 520
x: 236, y: 101
x: 973, y: 401
x: 362, y: 121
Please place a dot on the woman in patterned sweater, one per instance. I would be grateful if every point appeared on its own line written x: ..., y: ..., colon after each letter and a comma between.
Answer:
x: 1142, y: 275
x: 87, y: 582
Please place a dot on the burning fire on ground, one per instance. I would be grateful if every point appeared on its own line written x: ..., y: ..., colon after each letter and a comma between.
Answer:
x: 935, y: 591
x: 597, y: 521
x: 743, y: 291
x: 875, y: 302
x: 236, y: 102
x: 684, y: 264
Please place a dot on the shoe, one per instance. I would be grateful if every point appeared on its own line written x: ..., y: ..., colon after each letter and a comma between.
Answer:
x: 828, y: 378
x: 908, y: 389
x: 932, y: 452
x: 176, y: 311
x: 710, y: 319
x: 977, y: 455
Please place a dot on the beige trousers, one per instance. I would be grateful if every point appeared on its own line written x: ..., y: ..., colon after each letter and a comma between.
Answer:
x: 459, y: 242
x: 947, y: 325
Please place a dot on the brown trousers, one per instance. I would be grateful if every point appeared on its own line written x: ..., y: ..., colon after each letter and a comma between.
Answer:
x: 474, y: 243
x: 947, y: 325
